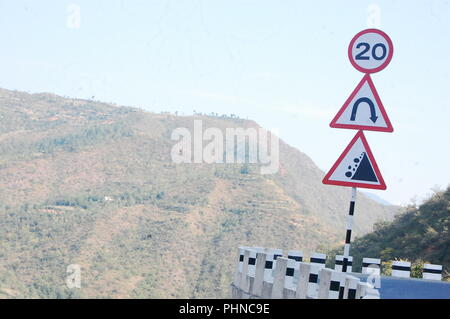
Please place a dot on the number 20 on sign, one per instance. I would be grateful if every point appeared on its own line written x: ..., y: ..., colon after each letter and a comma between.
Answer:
x: 370, y: 51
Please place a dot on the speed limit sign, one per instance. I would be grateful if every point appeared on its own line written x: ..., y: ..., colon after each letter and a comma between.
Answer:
x: 370, y: 51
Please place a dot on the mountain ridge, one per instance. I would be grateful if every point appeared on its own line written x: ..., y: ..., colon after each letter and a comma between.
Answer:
x: 91, y: 183
x: 420, y: 235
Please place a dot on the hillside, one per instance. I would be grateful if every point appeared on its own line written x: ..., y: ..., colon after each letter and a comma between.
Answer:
x: 419, y: 235
x: 90, y: 183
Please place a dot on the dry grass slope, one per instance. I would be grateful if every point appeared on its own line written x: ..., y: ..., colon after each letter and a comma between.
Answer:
x: 93, y: 184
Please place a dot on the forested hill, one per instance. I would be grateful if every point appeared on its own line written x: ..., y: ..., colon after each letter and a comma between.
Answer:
x: 94, y: 184
x: 419, y: 235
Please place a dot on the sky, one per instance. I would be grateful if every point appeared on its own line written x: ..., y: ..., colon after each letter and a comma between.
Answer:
x: 283, y: 64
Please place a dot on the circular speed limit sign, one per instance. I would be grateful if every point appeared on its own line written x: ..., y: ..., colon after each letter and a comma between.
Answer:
x: 370, y: 51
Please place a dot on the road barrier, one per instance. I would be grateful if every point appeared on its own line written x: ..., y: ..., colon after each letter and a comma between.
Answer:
x: 267, y: 273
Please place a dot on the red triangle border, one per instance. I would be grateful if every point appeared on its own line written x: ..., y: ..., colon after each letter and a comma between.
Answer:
x: 326, y: 179
x: 389, y: 127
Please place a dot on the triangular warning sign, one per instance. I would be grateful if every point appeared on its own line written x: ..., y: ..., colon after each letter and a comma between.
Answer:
x: 363, y: 110
x: 356, y: 167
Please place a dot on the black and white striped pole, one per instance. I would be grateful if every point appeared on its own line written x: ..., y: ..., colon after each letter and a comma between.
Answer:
x: 348, y: 237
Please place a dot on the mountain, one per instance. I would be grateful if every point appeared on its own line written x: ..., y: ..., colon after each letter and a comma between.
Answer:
x: 421, y: 234
x: 377, y: 198
x: 93, y: 184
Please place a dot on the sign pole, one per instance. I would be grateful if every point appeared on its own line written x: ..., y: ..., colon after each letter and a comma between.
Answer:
x: 370, y: 51
x: 348, y: 238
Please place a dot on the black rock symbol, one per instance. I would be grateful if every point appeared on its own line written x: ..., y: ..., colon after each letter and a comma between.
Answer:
x: 362, y: 170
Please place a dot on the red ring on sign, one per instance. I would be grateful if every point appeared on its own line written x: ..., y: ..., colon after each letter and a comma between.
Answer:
x: 385, y: 63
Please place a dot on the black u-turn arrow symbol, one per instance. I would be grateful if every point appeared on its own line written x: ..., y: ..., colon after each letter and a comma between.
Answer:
x: 373, y: 115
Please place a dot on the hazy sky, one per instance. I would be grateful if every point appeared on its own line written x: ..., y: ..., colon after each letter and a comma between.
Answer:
x: 282, y: 63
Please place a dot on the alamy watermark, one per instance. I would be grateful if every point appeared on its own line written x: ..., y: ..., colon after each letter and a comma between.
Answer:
x: 239, y: 145
x: 374, y: 278
x: 73, y: 20
x: 374, y: 16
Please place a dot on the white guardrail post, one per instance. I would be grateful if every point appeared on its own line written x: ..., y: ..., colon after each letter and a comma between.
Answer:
x: 236, y: 293
x: 271, y: 258
x: 432, y: 272
x: 371, y: 266
x: 238, y: 271
x: 329, y: 283
x: 303, y: 281
x: 351, y: 284
x: 279, y: 276
x: 317, y: 261
x: 243, y: 281
x: 257, y: 288
x: 251, y: 270
x: 295, y: 257
x: 401, y: 269
x: 339, y: 261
